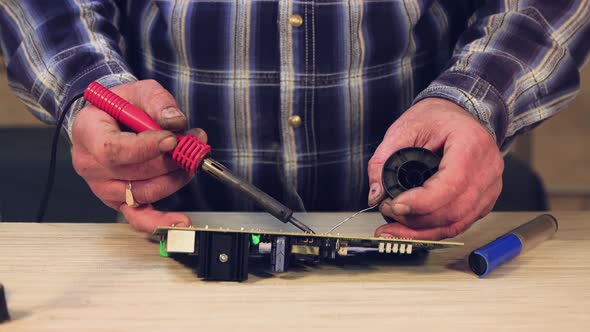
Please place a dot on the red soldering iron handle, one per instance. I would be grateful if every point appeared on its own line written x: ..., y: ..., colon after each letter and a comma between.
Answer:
x: 119, y: 108
x: 188, y: 153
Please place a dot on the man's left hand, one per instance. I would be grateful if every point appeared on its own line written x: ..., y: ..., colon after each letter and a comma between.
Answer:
x: 466, y: 186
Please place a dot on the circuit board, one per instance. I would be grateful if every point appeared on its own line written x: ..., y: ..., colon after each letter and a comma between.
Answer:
x: 222, y: 253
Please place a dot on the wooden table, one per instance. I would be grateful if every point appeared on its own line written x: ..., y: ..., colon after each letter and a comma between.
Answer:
x: 96, y: 277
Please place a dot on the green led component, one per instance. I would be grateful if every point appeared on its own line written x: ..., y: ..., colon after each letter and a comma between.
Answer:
x: 163, y: 252
x: 255, y: 239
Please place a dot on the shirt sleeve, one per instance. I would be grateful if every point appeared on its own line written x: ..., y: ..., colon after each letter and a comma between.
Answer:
x: 54, y: 49
x: 517, y: 64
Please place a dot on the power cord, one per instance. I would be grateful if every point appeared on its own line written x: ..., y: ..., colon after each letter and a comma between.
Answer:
x: 53, y: 160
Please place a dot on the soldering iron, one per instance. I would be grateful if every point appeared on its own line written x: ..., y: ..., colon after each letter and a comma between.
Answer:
x: 190, y: 153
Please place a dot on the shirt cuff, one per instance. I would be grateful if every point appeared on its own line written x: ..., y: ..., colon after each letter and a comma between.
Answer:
x: 108, y: 74
x: 475, y: 95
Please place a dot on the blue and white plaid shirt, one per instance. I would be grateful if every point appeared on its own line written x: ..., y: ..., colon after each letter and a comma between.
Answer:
x: 242, y: 69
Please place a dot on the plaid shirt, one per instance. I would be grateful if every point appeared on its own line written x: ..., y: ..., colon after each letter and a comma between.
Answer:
x: 248, y: 72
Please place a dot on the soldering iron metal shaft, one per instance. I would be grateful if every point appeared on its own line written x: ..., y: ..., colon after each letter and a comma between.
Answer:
x: 265, y: 201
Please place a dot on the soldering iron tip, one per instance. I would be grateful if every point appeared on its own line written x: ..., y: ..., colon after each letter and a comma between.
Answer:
x: 300, y: 225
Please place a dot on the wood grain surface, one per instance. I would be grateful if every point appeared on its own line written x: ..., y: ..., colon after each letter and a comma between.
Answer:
x: 106, y: 277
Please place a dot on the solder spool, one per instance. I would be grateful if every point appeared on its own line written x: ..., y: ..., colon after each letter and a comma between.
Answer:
x: 408, y: 168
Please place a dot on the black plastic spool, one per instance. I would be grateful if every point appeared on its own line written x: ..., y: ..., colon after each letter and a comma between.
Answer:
x: 408, y: 168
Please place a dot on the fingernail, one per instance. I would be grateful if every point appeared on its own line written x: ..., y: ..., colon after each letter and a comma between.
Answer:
x: 400, y: 209
x: 167, y: 143
x: 180, y: 224
x: 171, y: 112
x: 374, y: 192
x: 386, y: 235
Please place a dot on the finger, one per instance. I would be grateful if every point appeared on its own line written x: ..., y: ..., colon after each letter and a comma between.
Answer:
x: 87, y: 167
x: 155, y: 189
x: 145, y: 218
x: 155, y: 167
x: 440, y: 232
x: 446, y: 215
x: 99, y: 133
x: 156, y: 101
x: 199, y: 133
x: 161, y: 165
x: 442, y: 188
x: 495, y: 192
x: 145, y: 191
x: 397, y: 230
x: 375, y: 167
x: 146, y: 170
x: 436, y: 233
x: 452, y: 213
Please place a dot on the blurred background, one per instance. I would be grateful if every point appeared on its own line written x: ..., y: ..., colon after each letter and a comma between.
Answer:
x: 546, y: 169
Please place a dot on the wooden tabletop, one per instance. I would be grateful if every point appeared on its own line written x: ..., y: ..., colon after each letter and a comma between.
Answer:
x: 97, y: 277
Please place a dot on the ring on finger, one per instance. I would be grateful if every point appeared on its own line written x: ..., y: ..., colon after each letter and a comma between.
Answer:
x: 129, y: 199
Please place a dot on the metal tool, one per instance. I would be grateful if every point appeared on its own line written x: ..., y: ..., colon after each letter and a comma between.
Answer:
x: 190, y: 153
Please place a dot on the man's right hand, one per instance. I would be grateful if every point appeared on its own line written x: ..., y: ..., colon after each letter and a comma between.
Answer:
x: 108, y: 158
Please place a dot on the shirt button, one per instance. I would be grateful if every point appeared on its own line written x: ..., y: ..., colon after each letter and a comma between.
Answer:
x: 295, y: 121
x: 295, y: 20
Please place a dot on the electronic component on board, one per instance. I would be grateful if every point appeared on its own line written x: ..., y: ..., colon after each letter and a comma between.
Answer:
x: 279, y: 254
x: 223, y: 253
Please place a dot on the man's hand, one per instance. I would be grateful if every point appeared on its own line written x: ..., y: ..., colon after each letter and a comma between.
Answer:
x: 108, y: 158
x: 464, y: 189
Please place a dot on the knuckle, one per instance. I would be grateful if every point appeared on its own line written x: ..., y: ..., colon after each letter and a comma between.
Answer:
x: 455, y: 215
x: 372, y: 162
x: 151, y: 193
x: 499, y: 187
x: 453, y: 230
x: 112, y: 205
x: 99, y: 191
x: 147, y: 85
x: 77, y: 129
x: 81, y: 166
x: 143, y: 168
x: 486, y: 210
x: 459, y: 212
x: 455, y: 186
x: 498, y: 166
x: 150, y: 83
x: 146, y: 151
x: 157, y: 96
x: 460, y: 183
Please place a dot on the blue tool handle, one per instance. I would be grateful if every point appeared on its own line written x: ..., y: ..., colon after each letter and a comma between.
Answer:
x: 485, y: 259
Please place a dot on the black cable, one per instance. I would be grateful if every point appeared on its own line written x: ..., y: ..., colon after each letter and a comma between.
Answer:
x: 52, y: 161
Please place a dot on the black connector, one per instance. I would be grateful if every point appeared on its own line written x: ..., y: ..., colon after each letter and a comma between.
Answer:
x: 223, y: 256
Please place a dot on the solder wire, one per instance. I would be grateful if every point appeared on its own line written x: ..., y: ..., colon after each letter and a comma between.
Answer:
x: 354, y: 215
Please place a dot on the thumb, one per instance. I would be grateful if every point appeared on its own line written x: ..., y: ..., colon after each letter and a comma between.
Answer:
x: 156, y: 101
x: 390, y: 144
